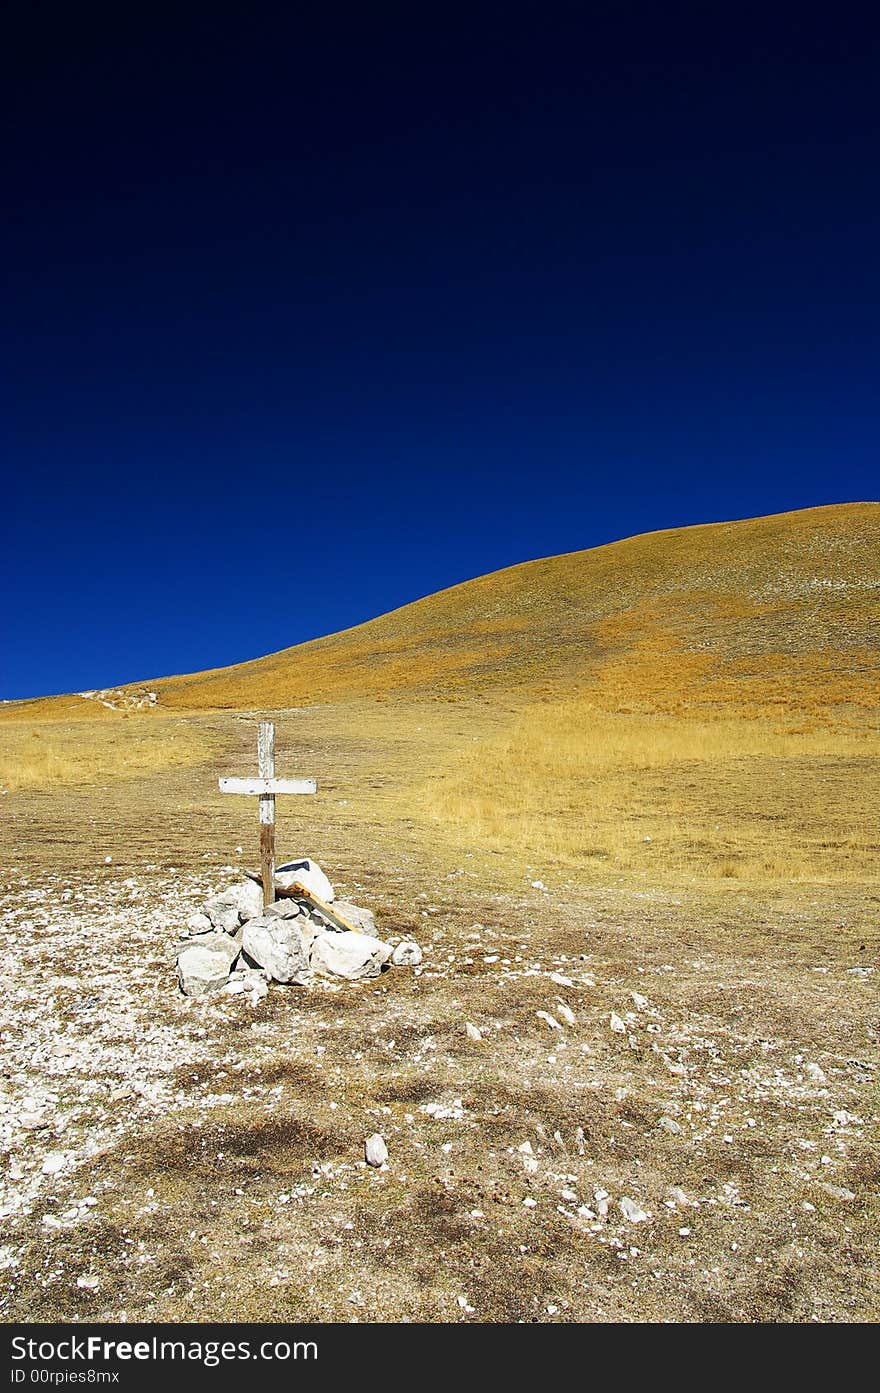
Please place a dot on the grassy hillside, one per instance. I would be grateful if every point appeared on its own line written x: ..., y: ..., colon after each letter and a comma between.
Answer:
x: 782, y: 610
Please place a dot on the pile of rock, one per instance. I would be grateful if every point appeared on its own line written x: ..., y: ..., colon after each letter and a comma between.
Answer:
x: 235, y: 945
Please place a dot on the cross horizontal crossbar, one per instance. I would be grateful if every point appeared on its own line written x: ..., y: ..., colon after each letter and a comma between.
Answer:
x: 262, y: 787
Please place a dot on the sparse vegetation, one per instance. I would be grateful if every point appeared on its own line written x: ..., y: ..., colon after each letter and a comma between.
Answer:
x: 89, y: 752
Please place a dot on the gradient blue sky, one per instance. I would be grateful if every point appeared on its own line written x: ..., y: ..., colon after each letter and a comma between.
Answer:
x: 308, y: 316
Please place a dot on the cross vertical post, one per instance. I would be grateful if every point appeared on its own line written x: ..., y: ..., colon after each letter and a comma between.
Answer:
x: 266, y: 786
x: 266, y: 770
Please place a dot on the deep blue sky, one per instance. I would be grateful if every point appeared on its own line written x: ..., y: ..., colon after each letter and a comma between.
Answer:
x: 306, y: 317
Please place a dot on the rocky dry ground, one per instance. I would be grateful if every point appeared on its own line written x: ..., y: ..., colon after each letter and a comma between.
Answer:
x: 599, y: 1105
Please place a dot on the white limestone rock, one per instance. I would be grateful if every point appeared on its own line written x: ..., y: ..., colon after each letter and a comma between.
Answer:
x: 249, y: 981
x: 277, y: 945
x: 348, y: 955
x: 549, y: 1020
x: 309, y: 874
x: 363, y: 919
x: 247, y: 896
x: 199, y: 924
x: 407, y: 953
x: 204, y: 963
x: 375, y: 1150
x: 631, y: 1211
x: 286, y: 909
x: 223, y: 914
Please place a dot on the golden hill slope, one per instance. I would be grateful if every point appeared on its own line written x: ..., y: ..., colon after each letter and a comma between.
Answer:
x: 778, y: 611
x: 785, y: 608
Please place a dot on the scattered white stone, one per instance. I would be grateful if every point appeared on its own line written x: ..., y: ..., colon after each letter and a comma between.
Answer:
x: 815, y: 1074
x: 548, y: 1020
x: 617, y: 1025
x: 530, y: 1203
x: 565, y: 1012
x: 677, y: 1069
x: 669, y: 1124
x: 537, y: 885
x: 678, y: 1195
x: 407, y: 953
x: 640, y: 1002
x: 375, y: 1150
x: 88, y: 1282
x: 684, y: 1233
x: 54, y: 1162
x: 530, y: 1164
x: 473, y: 1033
x: 601, y: 1200
x: 443, y: 1111
x: 561, y: 981
x: 837, y: 1192
x: 32, y: 1121
x: 631, y: 1211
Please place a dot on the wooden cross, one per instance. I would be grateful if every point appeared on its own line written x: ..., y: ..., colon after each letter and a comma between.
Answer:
x: 266, y: 786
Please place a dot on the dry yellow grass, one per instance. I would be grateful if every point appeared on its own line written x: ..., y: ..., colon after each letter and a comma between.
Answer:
x: 95, y: 752
x: 662, y: 797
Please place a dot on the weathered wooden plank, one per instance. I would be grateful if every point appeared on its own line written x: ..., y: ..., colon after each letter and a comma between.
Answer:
x: 298, y: 891
x: 264, y: 786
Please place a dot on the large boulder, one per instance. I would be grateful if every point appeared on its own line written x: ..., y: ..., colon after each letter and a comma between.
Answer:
x: 277, y: 945
x: 362, y: 919
x: 204, y: 964
x: 348, y: 955
x: 309, y: 874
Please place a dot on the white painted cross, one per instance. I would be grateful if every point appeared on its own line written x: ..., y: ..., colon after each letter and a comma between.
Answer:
x: 265, y: 786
